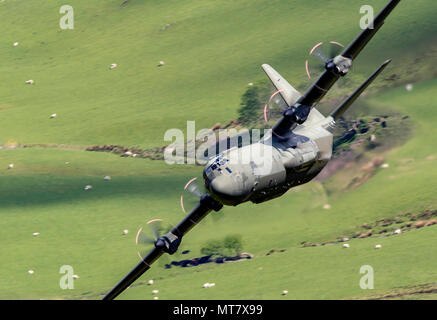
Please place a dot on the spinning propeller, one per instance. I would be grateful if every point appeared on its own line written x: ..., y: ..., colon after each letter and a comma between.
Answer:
x: 191, y: 195
x: 320, y: 54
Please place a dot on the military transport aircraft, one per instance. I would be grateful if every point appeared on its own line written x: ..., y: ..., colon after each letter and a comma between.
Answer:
x: 299, y: 146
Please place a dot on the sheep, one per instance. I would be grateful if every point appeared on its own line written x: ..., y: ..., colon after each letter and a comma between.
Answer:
x: 88, y: 187
x: 16, y: 44
x: 125, y: 232
x: 208, y: 285
x: 107, y: 178
x: 409, y: 87
x: 75, y: 276
x: 155, y: 298
x: 52, y: 116
x: 327, y: 206
x: 284, y: 292
x: 128, y: 154
x: 155, y: 291
x: 30, y: 82
x: 161, y: 63
x: 11, y: 166
x: 150, y: 282
x: 378, y: 246
x: 250, y: 84
x: 346, y: 245
x: 35, y: 234
x: 30, y: 272
x: 397, y: 231
x: 113, y: 66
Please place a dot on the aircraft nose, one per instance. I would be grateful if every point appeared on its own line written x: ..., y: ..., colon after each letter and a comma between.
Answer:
x: 227, y: 189
x: 219, y: 186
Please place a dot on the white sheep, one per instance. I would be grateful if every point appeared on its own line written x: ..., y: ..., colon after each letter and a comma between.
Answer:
x: 75, y: 276
x: 35, y: 234
x: 30, y: 272
x: 52, y: 116
x: 161, y: 63
x: 30, y: 82
x: 284, y: 292
x: 155, y: 298
x: 327, y: 206
x: 409, y: 87
x: 150, y: 282
x: 155, y: 291
x: 107, y: 178
x: 125, y: 232
x: 11, y: 166
x: 16, y: 44
x: 385, y: 166
x: 397, y: 231
x: 128, y: 153
x: 88, y: 187
x: 346, y: 245
x: 378, y: 246
x: 113, y: 66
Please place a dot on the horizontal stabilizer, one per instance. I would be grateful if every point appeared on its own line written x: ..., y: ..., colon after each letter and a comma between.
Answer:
x: 290, y: 94
x: 348, y: 102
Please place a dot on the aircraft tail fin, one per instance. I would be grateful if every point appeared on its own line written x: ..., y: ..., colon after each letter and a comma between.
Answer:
x: 290, y: 94
x: 337, y: 113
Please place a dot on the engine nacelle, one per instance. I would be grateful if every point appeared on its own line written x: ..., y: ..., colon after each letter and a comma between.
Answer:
x: 168, y: 243
x: 339, y: 65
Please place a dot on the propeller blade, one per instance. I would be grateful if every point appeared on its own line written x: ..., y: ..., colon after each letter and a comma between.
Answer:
x: 191, y: 195
x: 318, y: 52
x: 143, y: 238
x: 274, y: 108
x: 193, y: 188
x: 155, y: 227
x: 335, y: 49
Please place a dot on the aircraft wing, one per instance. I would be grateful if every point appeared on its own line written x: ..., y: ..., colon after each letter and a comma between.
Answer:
x: 322, y: 85
x: 205, y: 206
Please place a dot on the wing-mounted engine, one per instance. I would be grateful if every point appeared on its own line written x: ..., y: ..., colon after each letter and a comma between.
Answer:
x: 339, y: 65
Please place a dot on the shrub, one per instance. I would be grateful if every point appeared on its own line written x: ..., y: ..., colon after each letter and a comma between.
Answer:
x: 230, y: 246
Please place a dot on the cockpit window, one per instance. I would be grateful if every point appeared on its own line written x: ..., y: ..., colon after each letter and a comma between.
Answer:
x: 219, y: 161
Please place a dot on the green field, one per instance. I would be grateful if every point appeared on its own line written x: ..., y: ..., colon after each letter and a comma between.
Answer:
x: 212, y: 50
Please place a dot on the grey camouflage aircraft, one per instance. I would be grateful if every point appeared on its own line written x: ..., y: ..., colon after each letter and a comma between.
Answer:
x: 298, y: 148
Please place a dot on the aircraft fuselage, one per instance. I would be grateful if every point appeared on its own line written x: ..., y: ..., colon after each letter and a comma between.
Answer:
x: 267, y: 169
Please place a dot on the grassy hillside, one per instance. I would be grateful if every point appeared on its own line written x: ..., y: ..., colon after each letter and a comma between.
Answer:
x: 212, y: 49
